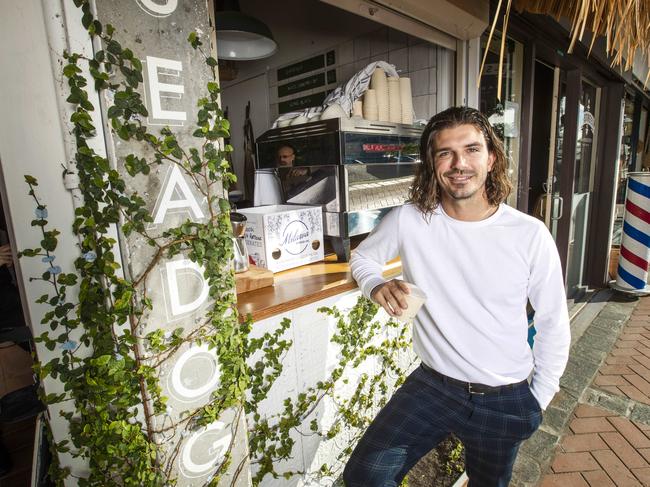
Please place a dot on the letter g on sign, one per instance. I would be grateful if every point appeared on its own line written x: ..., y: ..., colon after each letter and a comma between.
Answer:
x: 160, y: 8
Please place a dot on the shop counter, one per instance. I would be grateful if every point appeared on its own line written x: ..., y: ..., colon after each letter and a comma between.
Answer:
x: 301, y: 286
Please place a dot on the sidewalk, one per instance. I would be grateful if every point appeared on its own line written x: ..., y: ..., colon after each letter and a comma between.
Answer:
x: 596, y: 432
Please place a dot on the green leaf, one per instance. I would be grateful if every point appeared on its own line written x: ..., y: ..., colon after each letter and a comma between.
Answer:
x: 31, y: 180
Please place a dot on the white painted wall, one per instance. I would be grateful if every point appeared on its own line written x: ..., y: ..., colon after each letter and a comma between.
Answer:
x: 311, y: 359
x: 34, y: 140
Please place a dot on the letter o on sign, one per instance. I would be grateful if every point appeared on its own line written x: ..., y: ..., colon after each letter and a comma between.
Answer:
x: 158, y: 9
x: 195, y: 374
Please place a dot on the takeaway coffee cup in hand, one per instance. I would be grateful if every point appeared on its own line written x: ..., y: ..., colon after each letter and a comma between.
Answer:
x: 414, y: 301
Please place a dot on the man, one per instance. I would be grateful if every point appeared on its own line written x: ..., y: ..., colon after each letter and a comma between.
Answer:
x: 478, y: 261
x: 285, y: 155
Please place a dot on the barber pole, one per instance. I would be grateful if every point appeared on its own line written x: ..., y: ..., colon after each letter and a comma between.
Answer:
x: 635, y: 245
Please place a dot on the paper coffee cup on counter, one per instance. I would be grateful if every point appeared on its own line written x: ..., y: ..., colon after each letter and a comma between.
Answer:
x: 414, y: 301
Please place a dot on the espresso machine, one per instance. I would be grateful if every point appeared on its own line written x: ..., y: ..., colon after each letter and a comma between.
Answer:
x: 357, y: 170
x: 240, y: 258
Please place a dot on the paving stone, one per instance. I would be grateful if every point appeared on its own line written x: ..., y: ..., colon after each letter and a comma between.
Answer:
x: 624, y: 352
x: 574, y: 382
x: 564, y: 401
x: 643, y: 474
x: 638, y: 382
x: 614, y: 403
x: 633, y: 393
x: 591, y: 425
x: 630, y: 432
x: 588, y: 411
x: 615, y: 370
x: 610, y: 380
x: 574, y: 462
x: 598, y: 340
x: 564, y: 480
x: 624, y: 450
x: 555, y: 421
x: 642, y: 359
x: 598, y: 478
x: 645, y: 453
x: 615, y: 468
x: 540, y: 446
x: 640, y: 370
x: 645, y: 427
x: 611, y: 360
x: 583, y: 442
x: 526, y: 470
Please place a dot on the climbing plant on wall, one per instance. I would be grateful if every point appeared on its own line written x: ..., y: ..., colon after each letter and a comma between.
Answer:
x: 111, y: 365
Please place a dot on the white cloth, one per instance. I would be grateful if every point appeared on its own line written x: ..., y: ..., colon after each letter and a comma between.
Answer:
x: 477, y: 277
x: 343, y: 95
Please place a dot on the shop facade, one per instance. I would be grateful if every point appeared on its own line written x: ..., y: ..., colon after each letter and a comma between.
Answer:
x: 572, y: 126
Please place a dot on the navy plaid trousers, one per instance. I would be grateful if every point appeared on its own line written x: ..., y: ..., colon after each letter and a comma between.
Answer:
x: 424, y: 411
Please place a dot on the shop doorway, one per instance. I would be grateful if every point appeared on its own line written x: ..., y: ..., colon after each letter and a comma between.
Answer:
x: 563, y: 158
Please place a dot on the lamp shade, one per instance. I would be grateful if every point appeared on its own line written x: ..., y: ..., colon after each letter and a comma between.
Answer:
x: 242, y: 38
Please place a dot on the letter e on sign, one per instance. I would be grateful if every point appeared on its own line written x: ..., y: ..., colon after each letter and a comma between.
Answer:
x: 159, y: 90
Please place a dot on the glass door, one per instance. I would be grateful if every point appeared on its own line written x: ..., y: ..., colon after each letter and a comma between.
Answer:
x: 504, y: 114
x: 554, y: 210
x: 583, y: 182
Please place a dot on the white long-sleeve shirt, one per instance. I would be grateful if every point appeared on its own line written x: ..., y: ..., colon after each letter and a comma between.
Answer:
x: 477, y: 277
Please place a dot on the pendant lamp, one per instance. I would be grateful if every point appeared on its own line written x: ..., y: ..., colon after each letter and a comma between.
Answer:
x: 241, y: 37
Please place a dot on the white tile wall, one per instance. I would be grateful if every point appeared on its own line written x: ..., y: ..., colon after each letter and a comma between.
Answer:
x: 419, y: 82
x: 396, y: 39
x: 346, y: 53
x: 411, y: 57
x: 400, y: 58
x: 379, y: 41
x: 361, y: 48
x: 346, y: 72
x: 418, y: 57
x: 433, y: 80
x: 421, y: 107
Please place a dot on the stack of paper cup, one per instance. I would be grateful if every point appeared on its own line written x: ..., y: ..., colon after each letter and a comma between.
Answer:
x: 370, y: 111
x: 380, y: 85
x: 394, y: 101
x: 406, y: 99
x: 357, y: 108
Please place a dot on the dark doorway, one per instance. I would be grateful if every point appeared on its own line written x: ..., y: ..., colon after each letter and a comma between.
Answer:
x: 540, y: 138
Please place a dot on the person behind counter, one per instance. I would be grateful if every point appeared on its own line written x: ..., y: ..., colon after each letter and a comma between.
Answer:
x: 478, y: 261
x: 285, y: 155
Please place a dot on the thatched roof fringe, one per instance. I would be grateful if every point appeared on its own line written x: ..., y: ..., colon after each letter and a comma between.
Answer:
x: 625, y: 24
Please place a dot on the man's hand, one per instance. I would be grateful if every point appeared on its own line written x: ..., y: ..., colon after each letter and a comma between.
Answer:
x: 390, y: 296
x: 5, y: 256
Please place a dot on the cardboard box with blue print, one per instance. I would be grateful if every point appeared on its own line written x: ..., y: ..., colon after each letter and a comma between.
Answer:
x: 280, y: 237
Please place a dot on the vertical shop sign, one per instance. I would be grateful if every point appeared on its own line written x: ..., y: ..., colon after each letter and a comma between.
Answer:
x: 175, y: 77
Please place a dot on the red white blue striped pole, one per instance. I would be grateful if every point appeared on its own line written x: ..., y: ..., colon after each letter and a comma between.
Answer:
x: 635, y: 244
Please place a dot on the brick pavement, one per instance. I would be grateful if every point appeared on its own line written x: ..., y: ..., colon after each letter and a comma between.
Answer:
x: 606, y: 440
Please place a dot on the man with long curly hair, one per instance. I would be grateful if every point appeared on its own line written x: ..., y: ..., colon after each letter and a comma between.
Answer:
x: 479, y: 262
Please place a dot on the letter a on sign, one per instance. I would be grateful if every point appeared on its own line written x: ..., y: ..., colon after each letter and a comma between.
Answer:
x: 176, y: 182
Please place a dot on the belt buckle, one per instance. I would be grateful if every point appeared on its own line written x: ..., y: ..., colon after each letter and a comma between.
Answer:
x: 471, y: 391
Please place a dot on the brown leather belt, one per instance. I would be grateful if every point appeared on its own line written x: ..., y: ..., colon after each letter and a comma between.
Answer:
x: 471, y: 387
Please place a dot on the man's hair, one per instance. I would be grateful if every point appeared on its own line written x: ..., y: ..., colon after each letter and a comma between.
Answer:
x: 425, y: 192
x: 285, y: 144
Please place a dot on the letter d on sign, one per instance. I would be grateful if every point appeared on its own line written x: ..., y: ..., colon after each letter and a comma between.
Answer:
x: 188, y: 268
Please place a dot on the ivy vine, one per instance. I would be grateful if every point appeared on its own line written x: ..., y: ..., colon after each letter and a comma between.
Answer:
x: 110, y: 367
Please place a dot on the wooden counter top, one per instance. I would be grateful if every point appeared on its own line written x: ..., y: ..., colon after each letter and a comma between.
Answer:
x: 303, y: 285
